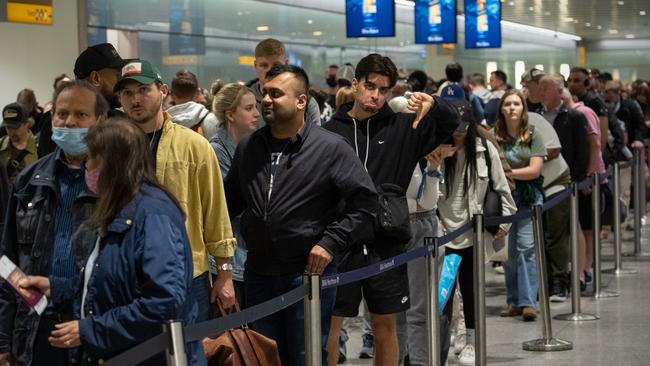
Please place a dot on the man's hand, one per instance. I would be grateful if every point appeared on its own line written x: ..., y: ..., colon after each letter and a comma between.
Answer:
x: 318, y: 259
x: 66, y: 335
x: 7, y: 359
x: 637, y: 144
x: 40, y: 283
x: 420, y: 103
x: 223, y: 289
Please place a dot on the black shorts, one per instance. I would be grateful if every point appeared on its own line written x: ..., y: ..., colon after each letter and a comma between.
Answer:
x: 585, y: 208
x: 386, y: 293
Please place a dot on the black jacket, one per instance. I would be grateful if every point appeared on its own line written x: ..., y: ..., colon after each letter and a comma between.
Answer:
x: 316, y: 172
x: 571, y: 128
x: 388, y: 145
x: 27, y: 240
x: 631, y: 114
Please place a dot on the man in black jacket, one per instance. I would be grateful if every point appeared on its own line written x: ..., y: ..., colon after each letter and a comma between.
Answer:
x: 304, y: 196
x: 49, y: 202
x: 628, y: 111
x: 389, y: 145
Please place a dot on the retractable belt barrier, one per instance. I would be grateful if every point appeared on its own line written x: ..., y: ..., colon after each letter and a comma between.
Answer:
x: 210, y: 328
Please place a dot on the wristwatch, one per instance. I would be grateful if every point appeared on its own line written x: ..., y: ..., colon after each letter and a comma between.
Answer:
x: 225, y: 267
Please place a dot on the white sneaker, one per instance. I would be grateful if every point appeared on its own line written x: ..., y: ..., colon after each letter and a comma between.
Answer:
x: 499, y: 270
x: 461, y: 343
x: 466, y: 357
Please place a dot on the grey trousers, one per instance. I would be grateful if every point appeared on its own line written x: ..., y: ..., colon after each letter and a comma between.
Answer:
x: 412, y: 324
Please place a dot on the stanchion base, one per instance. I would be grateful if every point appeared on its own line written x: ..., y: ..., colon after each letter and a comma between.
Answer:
x: 638, y: 255
x: 606, y: 294
x: 547, y: 345
x: 576, y: 317
x: 620, y: 271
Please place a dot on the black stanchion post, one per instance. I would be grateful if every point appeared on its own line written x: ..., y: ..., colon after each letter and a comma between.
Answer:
x: 313, y: 347
x: 176, y: 353
x: 576, y: 314
x: 547, y: 342
x: 595, y: 220
x: 616, y: 223
x: 480, y: 344
x: 433, y: 305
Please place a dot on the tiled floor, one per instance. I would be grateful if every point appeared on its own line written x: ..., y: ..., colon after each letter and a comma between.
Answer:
x: 620, y: 337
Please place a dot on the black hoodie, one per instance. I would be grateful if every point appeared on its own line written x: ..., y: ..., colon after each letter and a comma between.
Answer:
x: 386, y: 143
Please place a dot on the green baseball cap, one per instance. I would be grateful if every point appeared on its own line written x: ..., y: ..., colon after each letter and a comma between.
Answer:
x: 141, y: 71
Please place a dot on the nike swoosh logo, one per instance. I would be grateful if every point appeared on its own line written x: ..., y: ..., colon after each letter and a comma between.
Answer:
x: 381, y: 142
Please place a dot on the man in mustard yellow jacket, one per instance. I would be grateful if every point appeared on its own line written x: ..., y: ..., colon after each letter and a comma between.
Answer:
x: 187, y: 166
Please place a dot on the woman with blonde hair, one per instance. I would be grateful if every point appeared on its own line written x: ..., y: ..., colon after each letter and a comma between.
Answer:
x: 524, y: 149
x: 236, y: 109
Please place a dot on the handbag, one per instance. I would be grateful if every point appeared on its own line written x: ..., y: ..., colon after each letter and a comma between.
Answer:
x: 492, y: 205
x: 393, y: 212
x: 240, y: 346
x: 607, y: 215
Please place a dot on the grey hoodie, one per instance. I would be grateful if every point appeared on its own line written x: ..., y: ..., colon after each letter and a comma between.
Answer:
x: 191, y: 113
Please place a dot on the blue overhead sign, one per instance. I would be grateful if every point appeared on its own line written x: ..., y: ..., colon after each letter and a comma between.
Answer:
x: 186, y: 27
x: 482, y: 24
x: 370, y: 18
x: 435, y: 21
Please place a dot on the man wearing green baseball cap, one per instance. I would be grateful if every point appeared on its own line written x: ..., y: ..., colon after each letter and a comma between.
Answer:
x: 187, y: 167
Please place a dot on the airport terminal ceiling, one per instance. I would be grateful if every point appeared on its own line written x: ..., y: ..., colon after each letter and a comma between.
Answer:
x: 314, y: 32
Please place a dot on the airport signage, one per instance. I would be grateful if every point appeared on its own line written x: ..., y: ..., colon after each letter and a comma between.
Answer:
x: 435, y: 21
x: 30, y: 12
x: 482, y: 24
x: 370, y: 18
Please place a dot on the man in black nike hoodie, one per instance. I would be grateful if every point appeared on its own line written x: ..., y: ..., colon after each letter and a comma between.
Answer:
x: 389, y: 145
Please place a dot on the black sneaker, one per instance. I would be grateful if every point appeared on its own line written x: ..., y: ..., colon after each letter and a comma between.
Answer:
x: 558, y: 295
x: 368, y: 347
x: 342, y: 351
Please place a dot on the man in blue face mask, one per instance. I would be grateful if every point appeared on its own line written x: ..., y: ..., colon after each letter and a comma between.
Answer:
x: 49, y: 202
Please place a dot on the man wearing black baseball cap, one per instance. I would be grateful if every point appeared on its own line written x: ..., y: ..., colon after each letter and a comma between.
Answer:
x: 100, y: 65
x: 18, y: 148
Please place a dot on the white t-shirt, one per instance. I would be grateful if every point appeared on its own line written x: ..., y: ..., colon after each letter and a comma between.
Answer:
x: 552, y: 169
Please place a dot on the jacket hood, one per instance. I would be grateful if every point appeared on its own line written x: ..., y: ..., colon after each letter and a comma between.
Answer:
x: 188, y: 114
x: 342, y: 113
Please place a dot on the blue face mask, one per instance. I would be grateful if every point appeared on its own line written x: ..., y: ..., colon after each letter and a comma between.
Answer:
x: 71, y: 140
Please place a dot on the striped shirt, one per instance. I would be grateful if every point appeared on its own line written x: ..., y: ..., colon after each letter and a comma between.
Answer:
x: 70, y: 183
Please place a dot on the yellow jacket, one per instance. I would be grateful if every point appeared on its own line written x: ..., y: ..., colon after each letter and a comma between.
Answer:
x: 187, y: 166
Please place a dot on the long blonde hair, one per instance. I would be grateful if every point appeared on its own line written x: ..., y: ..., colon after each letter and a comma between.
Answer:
x: 502, y: 129
x: 227, y: 99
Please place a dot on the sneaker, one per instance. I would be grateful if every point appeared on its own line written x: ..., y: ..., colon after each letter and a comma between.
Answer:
x: 558, y: 295
x: 510, y: 311
x: 499, y: 270
x: 466, y: 357
x: 460, y: 344
x: 368, y: 347
x: 529, y: 313
x: 588, y: 278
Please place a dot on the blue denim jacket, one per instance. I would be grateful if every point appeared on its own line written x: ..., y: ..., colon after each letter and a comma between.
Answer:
x: 224, y: 147
x: 141, y: 278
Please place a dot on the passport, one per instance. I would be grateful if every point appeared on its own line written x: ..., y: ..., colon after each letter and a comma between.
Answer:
x: 35, y: 299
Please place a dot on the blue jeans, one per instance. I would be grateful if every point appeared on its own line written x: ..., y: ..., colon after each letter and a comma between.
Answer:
x: 521, y: 268
x: 201, y: 294
x: 286, y: 326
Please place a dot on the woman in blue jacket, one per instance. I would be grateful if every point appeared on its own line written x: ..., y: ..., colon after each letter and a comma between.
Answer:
x: 140, y: 271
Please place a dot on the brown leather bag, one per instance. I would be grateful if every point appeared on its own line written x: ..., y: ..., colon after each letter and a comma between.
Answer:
x: 240, y: 346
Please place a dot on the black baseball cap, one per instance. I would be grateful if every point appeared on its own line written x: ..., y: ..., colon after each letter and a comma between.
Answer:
x: 97, y: 57
x: 13, y: 115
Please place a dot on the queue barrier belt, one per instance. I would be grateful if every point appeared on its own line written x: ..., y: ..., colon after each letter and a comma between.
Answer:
x: 210, y: 328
